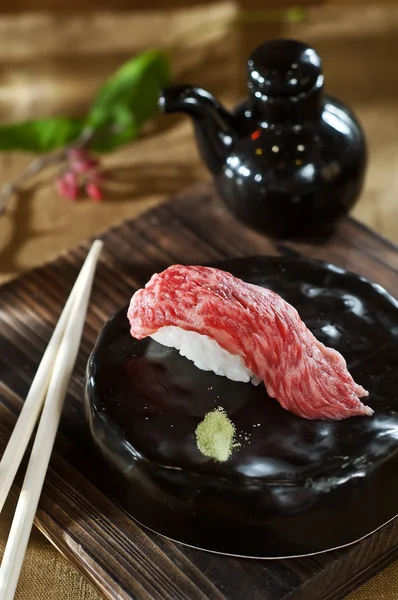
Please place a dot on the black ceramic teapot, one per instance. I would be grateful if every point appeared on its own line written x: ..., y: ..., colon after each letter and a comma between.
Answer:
x: 289, y: 160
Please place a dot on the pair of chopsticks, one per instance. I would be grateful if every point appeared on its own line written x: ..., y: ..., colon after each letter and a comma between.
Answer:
x: 47, y: 392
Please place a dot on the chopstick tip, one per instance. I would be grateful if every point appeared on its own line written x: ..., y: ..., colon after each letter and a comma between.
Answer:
x: 98, y: 243
x: 97, y: 246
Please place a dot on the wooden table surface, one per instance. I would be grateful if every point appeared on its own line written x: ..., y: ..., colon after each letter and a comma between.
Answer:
x: 52, y: 65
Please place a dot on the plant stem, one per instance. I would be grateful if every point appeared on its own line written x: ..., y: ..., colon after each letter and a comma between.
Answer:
x: 9, y: 189
x: 38, y: 164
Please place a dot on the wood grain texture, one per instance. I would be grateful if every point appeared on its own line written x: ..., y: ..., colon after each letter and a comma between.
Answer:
x: 76, y: 6
x: 79, y: 6
x: 123, y: 560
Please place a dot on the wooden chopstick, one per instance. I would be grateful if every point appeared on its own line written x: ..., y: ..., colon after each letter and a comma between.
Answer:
x: 37, y: 467
x: 29, y: 414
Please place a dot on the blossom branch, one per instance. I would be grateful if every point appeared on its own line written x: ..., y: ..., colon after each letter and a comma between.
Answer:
x: 38, y: 164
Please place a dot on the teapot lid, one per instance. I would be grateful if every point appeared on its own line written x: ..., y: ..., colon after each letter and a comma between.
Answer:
x: 285, y: 80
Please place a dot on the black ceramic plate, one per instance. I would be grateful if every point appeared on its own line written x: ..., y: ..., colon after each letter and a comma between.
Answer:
x: 295, y: 487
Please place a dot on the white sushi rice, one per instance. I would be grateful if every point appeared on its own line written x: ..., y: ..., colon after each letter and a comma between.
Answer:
x: 205, y: 353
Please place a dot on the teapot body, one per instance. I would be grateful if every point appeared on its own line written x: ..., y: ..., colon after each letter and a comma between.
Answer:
x: 292, y: 181
x: 290, y: 161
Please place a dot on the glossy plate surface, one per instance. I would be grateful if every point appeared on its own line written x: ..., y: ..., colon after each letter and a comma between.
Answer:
x: 294, y: 487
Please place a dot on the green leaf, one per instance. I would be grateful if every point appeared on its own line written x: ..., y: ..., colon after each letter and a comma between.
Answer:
x: 41, y: 135
x: 117, y: 114
x: 128, y: 99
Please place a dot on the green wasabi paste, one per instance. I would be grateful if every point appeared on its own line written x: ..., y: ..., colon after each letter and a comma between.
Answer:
x: 215, y: 435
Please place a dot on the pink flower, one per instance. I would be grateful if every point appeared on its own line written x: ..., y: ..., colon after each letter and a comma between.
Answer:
x: 94, y: 191
x: 84, y: 166
x: 83, y: 170
x: 80, y: 160
x: 67, y: 186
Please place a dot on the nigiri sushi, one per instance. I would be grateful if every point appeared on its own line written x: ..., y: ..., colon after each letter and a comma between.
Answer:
x: 247, y: 333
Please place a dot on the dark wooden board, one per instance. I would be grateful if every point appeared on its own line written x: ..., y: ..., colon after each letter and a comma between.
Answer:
x: 123, y: 560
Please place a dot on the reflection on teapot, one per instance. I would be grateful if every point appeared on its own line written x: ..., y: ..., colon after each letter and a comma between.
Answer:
x: 289, y: 160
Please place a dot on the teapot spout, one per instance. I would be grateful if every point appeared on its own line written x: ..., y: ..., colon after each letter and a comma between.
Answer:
x: 213, y: 123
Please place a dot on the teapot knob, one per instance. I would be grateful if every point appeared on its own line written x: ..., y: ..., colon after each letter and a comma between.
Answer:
x: 285, y: 81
